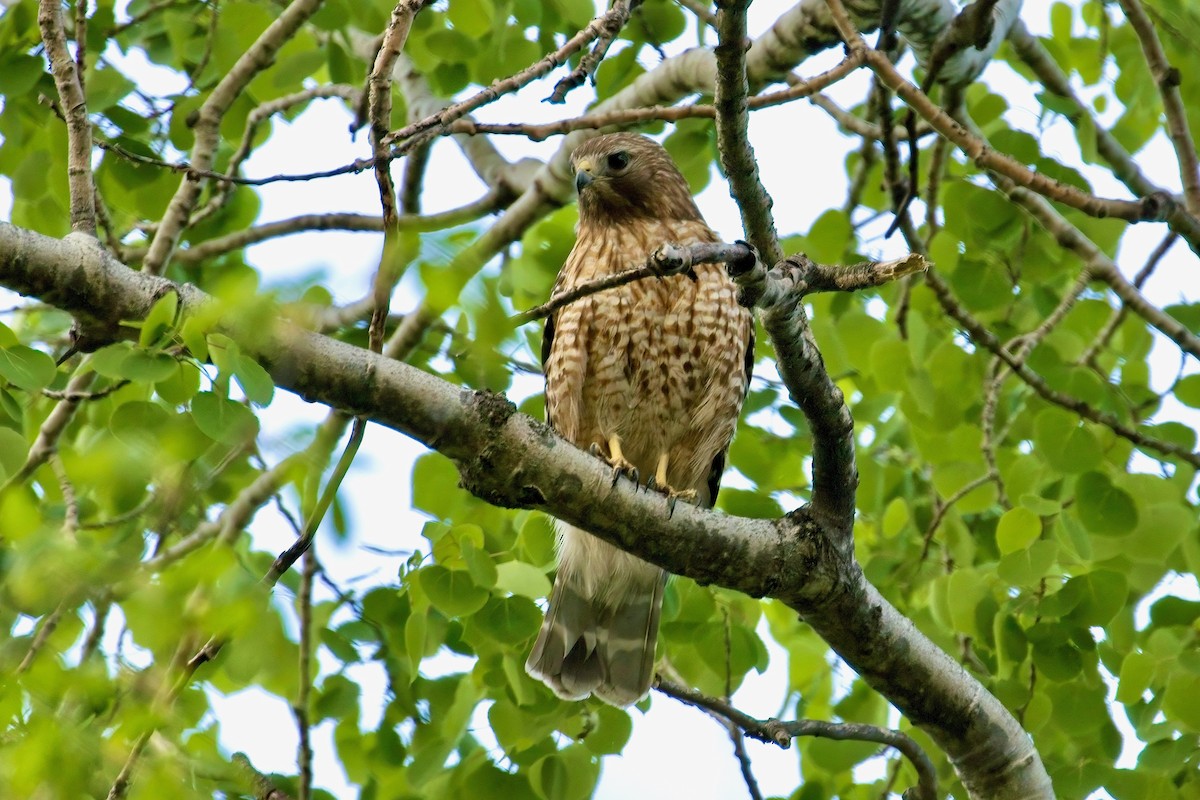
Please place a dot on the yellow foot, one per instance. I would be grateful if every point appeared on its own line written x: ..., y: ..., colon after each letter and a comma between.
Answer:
x: 658, y: 482
x: 615, y: 459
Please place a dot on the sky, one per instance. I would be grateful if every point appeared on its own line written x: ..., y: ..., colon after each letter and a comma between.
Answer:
x: 675, y: 750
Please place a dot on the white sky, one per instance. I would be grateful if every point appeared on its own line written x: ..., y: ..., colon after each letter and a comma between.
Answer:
x: 675, y: 751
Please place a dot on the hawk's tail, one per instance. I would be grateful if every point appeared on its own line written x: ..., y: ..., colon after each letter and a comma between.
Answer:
x: 598, y: 644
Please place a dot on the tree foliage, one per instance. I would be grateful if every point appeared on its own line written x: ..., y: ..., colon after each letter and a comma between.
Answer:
x: 1022, y: 486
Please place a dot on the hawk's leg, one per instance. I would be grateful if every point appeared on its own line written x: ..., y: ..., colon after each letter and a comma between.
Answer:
x: 658, y: 481
x: 616, y: 459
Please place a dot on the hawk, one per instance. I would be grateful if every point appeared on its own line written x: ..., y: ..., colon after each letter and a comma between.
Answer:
x: 651, y: 375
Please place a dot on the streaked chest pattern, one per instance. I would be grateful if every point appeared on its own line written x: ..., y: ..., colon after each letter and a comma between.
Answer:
x: 658, y: 362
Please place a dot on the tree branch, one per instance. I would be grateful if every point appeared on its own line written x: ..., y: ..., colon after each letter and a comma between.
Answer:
x: 69, y: 82
x: 1168, y: 78
x: 780, y: 732
x: 207, y: 128
x: 615, y: 20
x: 733, y: 120
x: 411, y: 135
x: 1151, y: 208
x: 508, y: 459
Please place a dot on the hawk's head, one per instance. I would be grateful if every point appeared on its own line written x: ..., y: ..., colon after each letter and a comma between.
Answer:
x: 626, y: 175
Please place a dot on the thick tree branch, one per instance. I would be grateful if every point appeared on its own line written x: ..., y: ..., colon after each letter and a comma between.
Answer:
x: 509, y: 459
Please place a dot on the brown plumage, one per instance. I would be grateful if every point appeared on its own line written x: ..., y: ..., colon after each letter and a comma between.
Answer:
x: 653, y: 373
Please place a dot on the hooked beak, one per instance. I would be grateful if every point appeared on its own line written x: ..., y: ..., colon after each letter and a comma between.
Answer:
x: 583, y: 174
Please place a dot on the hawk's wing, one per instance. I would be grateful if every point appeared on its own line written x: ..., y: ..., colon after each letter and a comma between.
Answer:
x: 718, y: 464
x: 547, y: 343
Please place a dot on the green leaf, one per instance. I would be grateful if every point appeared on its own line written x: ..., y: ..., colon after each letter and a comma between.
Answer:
x: 144, y: 366
x: 1027, y: 567
x: 453, y: 592
x: 523, y: 579
x: 223, y: 420
x: 181, y: 385
x: 1136, y: 671
x: 1103, y: 508
x: 1102, y: 595
x: 160, y: 319
x: 1018, y: 529
x: 12, y: 452
x: 1181, y: 701
x: 508, y: 619
x: 26, y: 368
x: 1187, y: 391
x: 612, y: 731
x: 256, y: 383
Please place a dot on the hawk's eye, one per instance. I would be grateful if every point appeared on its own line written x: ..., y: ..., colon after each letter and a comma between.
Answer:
x: 618, y: 161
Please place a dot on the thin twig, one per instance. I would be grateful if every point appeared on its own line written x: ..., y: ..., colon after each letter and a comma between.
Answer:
x: 258, y: 57
x: 667, y: 260
x: 51, y: 430
x: 262, y: 112
x: 774, y: 731
x: 47, y: 626
x: 586, y: 70
x: 70, y: 502
x: 1154, y: 207
x: 74, y: 105
x: 733, y: 118
x: 410, y: 135
x: 1168, y: 80
x: 1118, y: 315
x: 304, y: 601
x: 379, y: 109
x: 986, y: 339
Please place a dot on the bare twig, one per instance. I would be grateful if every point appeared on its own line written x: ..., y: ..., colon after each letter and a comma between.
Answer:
x: 625, y: 117
x: 304, y: 601
x: 733, y: 118
x: 667, y: 260
x: 67, y: 79
x: 774, y: 731
x: 586, y: 70
x: 1118, y: 316
x: 379, y: 109
x: 261, y: 785
x: 325, y: 222
x: 70, y: 503
x: 261, y: 113
x: 258, y: 57
x: 1153, y: 207
x: 1168, y: 80
x: 410, y: 135
x: 47, y: 626
x: 46, y: 443
x: 284, y: 561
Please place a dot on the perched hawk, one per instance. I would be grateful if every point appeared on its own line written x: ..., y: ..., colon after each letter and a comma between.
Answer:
x: 651, y: 375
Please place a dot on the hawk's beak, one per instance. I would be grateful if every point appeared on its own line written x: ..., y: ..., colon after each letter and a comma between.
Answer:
x: 583, y: 174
